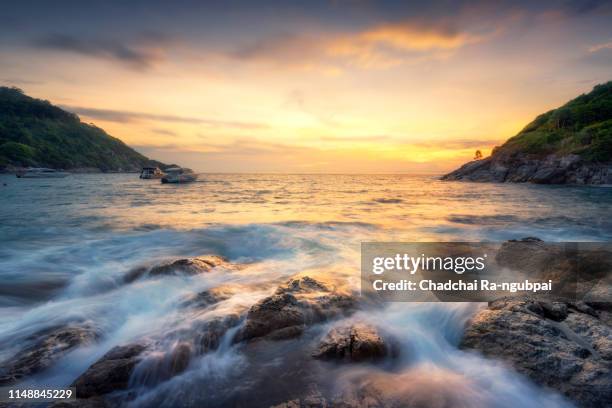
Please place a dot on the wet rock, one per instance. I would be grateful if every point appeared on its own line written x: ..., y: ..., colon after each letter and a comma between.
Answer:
x: 597, y: 333
x: 578, y: 271
x: 530, y: 254
x: 554, y: 310
x: 571, y: 355
x: 421, y: 387
x: 314, y: 399
x: 179, y: 358
x: 358, y: 342
x: 211, y: 296
x: 210, y: 333
x: 96, y: 402
x: 305, y: 284
x: 187, y: 266
x: 111, y: 372
x: 521, y: 168
x: 45, y: 348
x: 157, y: 360
x: 296, y: 304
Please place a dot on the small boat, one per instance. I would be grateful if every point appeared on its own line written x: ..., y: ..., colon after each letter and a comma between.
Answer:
x: 179, y: 175
x: 41, y: 172
x: 151, y: 173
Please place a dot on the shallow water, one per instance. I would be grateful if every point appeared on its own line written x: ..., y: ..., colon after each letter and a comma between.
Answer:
x: 66, y: 244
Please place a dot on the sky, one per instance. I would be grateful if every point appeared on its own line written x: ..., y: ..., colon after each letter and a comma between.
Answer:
x: 307, y: 87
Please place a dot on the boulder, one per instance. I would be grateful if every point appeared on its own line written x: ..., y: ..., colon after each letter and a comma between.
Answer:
x: 161, y: 360
x: 45, y: 348
x: 96, y: 402
x: 186, y: 266
x: 577, y: 270
x: 209, y: 334
x: 295, y: 305
x: 111, y: 372
x: 357, y: 342
x: 313, y: 399
x: 425, y: 386
x: 555, y: 344
x: 209, y: 297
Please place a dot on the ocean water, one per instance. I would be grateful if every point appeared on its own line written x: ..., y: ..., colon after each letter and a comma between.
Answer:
x: 66, y: 245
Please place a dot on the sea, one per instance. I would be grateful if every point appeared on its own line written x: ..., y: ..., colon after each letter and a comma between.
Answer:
x: 67, y: 244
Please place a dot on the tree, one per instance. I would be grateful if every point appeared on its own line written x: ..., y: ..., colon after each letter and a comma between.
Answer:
x: 478, y: 155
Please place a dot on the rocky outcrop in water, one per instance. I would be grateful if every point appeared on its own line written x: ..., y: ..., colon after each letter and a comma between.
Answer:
x: 521, y: 168
x: 161, y: 362
x: 357, y: 342
x: 564, y: 345
x: 298, y: 303
x: 579, y: 271
x: 48, y: 346
x: 187, y: 266
x: 111, y: 372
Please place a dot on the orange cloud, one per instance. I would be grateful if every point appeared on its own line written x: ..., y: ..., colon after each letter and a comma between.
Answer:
x: 599, y: 47
x: 393, y: 44
x: 379, y: 47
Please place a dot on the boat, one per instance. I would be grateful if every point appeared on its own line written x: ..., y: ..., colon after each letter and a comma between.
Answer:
x: 41, y: 172
x: 151, y: 173
x: 179, y: 175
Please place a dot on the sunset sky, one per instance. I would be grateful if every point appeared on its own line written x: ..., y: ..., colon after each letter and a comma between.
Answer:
x: 317, y: 86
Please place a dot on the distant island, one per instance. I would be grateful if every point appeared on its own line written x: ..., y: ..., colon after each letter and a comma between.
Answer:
x: 568, y: 145
x: 35, y: 133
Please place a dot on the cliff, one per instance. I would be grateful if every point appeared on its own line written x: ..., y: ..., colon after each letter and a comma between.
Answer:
x: 36, y: 133
x: 568, y: 145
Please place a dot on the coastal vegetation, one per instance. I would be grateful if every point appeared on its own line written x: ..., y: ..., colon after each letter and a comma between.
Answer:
x: 568, y: 145
x: 582, y: 126
x: 34, y: 132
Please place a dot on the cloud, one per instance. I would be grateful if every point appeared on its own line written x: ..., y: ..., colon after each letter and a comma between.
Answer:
x: 602, y: 46
x: 20, y: 81
x: 120, y: 116
x: 599, y: 54
x: 394, y: 44
x: 380, y: 46
x: 142, y: 55
x: 356, y: 139
x: 164, y: 132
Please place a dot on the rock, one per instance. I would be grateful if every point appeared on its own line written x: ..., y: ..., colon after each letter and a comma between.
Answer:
x: 210, y: 297
x: 425, y: 386
x: 579, y: 271
x: 357, y: 342
x: 314, y: 399
x: 530, y: 254
x: 47, y: 347
x: 210, y: 333
x: 160, y: 360
x: 111, y: 372
x: 96, y: 402
x: 570, y: 353
x: 296, y: 304
x: 179, y: 358
x: 187, y: 266
x: 554, y: 310
x: 521, y: 168
x: 598, y: 335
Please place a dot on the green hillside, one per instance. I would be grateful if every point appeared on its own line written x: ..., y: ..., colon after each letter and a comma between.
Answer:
x: 582, y: 126
x: 35, y: 133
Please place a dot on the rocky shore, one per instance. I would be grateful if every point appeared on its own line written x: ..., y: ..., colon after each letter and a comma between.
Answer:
x: 566, y: 346
x: 522, y: 168
x: 313, y: 324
